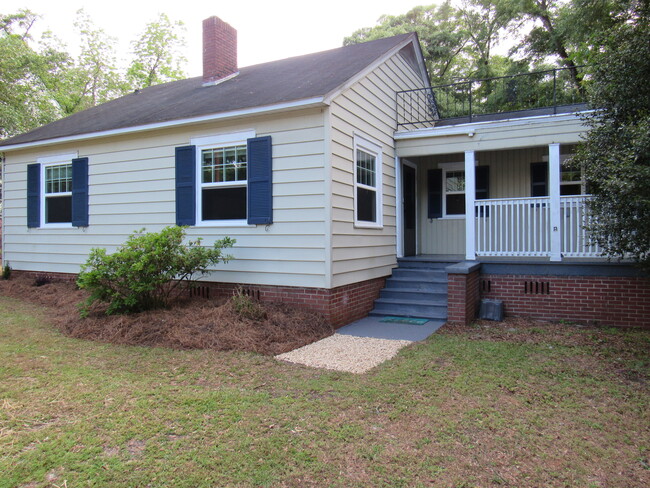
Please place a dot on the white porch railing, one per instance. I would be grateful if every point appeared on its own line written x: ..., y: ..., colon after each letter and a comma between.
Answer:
x: 575, y: 216
x: 522, y: 227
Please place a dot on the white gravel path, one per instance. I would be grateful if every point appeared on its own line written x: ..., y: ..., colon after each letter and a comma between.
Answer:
x: 345, y: 353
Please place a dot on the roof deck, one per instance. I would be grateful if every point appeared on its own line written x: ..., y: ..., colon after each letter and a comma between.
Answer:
x: 549, y: 92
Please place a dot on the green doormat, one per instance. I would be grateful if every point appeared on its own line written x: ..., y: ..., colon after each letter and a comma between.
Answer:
x: 405, y: 320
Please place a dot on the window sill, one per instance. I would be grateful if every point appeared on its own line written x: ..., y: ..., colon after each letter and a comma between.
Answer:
x: 56, y: 226
x: 367, y: 225
x: 224, y: 223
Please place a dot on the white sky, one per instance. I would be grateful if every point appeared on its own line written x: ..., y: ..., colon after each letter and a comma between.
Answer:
x: 267, y: 29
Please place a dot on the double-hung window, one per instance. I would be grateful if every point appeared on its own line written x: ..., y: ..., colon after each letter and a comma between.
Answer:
x: 57, y: 193
x: 223, y: 183
x: 454, y: 188
x: 367, y: 183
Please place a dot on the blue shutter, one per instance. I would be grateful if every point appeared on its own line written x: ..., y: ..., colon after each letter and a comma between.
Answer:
x: 33, y: 195
x: 260, y: 181
x: 186, y: 185
x: 434, y: 183
x: 80, y: 192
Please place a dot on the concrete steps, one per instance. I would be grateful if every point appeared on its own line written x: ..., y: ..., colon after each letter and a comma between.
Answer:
x: 417, y: 288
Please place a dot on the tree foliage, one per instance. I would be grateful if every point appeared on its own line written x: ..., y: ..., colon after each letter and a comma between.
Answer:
x: 616, y: 152
x: 27, y: 74
x: 157, y: 54
x: 41, y: 82
x: 148, y: 270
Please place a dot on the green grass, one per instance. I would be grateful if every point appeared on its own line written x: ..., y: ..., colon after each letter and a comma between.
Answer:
x: 454, y: 411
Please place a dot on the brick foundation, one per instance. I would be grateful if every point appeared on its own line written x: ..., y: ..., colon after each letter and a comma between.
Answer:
x: 602, y: 300
x: 340, y: 305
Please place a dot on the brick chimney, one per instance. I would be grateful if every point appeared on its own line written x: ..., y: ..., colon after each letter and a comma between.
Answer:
x: 219, y: 50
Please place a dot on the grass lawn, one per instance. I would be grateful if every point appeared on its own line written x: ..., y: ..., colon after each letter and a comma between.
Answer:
x: 491, y: 405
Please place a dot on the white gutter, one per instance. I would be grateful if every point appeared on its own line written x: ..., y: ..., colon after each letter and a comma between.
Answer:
x: 470, y: 128
x: 307, y: 103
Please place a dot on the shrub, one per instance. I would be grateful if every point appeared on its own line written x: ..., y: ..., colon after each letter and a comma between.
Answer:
x: 6, y: 272
x: 246, y: 307
x: 148, y: 270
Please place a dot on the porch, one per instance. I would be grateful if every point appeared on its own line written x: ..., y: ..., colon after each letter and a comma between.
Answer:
x: 524, y: 202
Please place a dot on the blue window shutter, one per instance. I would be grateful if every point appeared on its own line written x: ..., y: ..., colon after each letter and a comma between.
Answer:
x: 33, y: 195
x: 434, y: 183
x: 186, y: 185
x: 80, y: 192
x: 260, y: 180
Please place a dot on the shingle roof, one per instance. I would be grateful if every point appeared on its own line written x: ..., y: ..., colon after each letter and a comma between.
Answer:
x: 287, y: 80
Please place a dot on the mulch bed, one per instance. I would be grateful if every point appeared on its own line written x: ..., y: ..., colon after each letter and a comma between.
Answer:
x: 189, y: 324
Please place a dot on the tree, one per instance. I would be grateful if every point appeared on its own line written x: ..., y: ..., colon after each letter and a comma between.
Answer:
x: 616, y: 152
x: 26, y: 69
x: 157, y: 54
x: 565, y: 30
x: 442, y: 35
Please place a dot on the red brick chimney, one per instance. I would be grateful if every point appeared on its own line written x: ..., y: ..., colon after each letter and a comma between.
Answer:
x: 219, y: 50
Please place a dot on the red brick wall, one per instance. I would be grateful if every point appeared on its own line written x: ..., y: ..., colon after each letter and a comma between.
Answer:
x: 462, y: 297
x: 340, y: 305
x: 620, y: 301
x: 219, y: 49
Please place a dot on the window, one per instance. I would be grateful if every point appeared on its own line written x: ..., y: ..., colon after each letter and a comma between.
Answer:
x: 454, y: 192
x: 57, y: 193
x: 223, y: 183
x: 225, y: 180
x: 367, y: 183
x: 222, y: 178
x: 571, y: 181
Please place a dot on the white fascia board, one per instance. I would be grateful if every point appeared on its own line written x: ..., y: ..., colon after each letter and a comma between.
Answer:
x: 280, y: 107
x: 473, y: 127
x: 367, y: 70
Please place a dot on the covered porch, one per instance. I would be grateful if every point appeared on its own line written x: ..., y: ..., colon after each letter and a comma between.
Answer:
x: 524, y: 204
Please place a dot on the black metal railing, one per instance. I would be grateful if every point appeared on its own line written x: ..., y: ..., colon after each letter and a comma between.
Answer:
x: 472, y: 100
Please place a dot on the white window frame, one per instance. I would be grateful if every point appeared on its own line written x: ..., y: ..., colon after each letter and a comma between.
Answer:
x: 374, y: 149
x: 213, y: 142
x: 563, y: 169
x: 451, y: 168
x: 44, y: 163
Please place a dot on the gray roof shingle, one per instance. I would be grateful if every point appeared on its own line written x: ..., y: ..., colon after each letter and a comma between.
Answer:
x: 287, y: 80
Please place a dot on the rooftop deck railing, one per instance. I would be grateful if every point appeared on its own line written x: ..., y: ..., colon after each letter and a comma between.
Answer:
x: 556, y: 90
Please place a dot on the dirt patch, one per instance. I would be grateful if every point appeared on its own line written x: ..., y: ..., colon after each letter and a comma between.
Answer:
x: 190, y: 324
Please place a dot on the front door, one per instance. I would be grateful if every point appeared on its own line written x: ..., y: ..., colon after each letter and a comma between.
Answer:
x: 409, y: 203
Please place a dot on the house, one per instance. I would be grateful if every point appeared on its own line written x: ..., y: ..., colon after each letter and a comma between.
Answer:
x: 338, y: 174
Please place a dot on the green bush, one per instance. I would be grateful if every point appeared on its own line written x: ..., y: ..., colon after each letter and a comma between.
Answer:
x: 6, y: 272
x: 147, y: 271
x: 246, y: 307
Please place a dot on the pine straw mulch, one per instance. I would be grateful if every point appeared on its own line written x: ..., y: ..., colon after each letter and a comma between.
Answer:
x: 190, y: 324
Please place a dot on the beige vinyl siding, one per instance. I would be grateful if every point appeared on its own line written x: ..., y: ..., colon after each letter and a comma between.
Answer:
x: 366, y: 109
x: 132, y: 185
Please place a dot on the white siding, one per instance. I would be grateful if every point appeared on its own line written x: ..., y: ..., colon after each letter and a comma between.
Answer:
x: 367, y: 109
x: 131, y: 186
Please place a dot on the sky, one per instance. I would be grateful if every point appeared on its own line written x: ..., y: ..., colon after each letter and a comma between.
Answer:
x: 266, y: 29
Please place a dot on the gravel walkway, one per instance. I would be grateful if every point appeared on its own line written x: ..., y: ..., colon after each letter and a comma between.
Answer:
x: 345, y: 353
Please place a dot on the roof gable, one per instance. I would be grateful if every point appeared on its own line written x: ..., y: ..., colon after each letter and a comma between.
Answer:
x: 268, y: 84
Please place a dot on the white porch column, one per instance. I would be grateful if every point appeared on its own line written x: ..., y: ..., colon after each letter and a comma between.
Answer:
x: 470, y: 196
x: 554, y: 195
x: 399, y: 200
